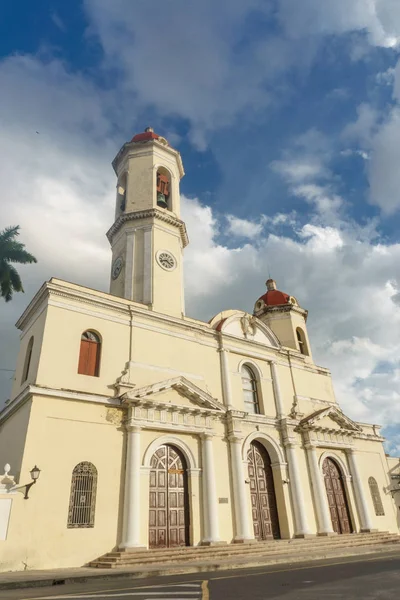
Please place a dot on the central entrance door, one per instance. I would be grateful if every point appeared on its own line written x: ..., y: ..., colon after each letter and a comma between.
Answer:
x: 169, y: 502
x: 263, y: 500
x: 337, y: 499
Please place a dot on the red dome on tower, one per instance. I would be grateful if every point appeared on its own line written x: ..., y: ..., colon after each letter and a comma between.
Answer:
x: 148, y: 135
x: 272, y: 296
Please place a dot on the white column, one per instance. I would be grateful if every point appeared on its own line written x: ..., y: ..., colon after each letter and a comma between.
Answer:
x: 132, y: 518
x: 299, y: 507
x: 209, y: 493
x: 226, y: 380
x: 240, y: 496
x: 277, y: 391
x: 319, y: 493
x: 363, y: 510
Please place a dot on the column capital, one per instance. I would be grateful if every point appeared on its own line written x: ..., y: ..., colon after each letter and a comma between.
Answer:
x: 133, y: 428
x: 235, y: 439
x: 207, y: 435
x: 291, y: 444
x: 310, y: 446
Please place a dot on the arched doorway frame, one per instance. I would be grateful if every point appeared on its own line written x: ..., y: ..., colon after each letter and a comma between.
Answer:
x: 279, y: 472
x: 344, y: 469
x: 193, y: 472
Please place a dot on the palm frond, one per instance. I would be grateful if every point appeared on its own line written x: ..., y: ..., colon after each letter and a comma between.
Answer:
x: 15, y: 279
x: 9, y: 233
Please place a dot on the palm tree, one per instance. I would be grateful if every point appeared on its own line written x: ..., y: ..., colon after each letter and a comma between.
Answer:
x: 11, y: 251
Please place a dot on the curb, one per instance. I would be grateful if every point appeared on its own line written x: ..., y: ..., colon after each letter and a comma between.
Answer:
x: 188, y: 569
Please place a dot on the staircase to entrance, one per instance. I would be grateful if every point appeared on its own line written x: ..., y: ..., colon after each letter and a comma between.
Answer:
x: 237, y: 555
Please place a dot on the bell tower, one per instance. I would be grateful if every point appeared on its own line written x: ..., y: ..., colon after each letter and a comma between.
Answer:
x: 147, y: 238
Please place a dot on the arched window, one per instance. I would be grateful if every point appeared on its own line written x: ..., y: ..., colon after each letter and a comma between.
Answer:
x: 82, y: 502
x: 121, y: 195
x: 301, y: 339
x: 89, y: 356
x: 376, y: 497
x: 163, y: 188
x: 250, y: 395
x: 27, y: 363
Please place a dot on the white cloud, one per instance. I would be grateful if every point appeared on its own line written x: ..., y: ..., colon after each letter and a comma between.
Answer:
x: 347, y: 284
x: 243, y: 227
x: 380, y: 19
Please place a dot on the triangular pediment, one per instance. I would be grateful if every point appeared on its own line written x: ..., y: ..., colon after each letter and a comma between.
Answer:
x: 177, y: 387
x: 329, y: 418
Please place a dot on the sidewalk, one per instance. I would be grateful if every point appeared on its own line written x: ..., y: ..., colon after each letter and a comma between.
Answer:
x: 58, y: 577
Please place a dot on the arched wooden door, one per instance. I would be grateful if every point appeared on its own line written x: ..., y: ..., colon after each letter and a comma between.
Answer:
x: 337, y: 499
x: 169, y: 501
x: 263, y: 500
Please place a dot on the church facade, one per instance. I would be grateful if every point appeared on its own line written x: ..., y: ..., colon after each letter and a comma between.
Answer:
x: 152, y: 429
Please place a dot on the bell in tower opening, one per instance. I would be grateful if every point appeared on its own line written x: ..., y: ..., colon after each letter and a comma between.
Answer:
x: 162, y: 189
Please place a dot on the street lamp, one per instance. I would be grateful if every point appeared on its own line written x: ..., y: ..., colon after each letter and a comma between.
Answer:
x: 35, y: 472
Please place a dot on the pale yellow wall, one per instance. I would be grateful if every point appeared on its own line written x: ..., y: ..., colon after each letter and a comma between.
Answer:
x: 61, y: 435
x: 13, y: 434
x: 61, y: 346
x: 34, y: 329
x: 167, y: 285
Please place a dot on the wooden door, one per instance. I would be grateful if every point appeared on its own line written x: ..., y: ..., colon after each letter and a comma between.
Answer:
x: 169, y: 502
x: 263, y: 500
x: 337, y: 499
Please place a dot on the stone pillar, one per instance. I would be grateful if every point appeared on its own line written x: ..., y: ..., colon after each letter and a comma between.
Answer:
x: 361, y: 501
x: 277, y: 391
x: 226, y: 380
x: 132, y: 517
x: 320, y: 498
x: 301, y: 528
x: 240, y: 496
x: 209, y: 493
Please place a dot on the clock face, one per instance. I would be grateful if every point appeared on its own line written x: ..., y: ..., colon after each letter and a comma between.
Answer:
x: 166, y: 260
x: 116, y: 268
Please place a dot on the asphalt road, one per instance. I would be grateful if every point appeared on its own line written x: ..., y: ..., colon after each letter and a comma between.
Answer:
x: 373, y: 578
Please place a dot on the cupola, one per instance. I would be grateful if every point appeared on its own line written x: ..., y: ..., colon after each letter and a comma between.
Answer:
x: 282, y: 313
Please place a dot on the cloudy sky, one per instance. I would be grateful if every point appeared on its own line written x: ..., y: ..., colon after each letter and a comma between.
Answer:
x: 287, y: 115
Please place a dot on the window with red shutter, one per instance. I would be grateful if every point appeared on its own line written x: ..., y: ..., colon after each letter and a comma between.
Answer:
x: 89, y: 356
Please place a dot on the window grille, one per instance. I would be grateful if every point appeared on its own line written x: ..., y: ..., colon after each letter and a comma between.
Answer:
x: 250, y: 396
x: 376, y: 497
x: 82, y: 501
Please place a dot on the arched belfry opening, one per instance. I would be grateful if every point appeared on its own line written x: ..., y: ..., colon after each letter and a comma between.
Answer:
x: 163, y: 188
x: 121, y: 195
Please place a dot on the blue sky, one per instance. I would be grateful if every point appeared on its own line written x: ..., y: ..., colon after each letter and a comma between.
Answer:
x: 287, y: 118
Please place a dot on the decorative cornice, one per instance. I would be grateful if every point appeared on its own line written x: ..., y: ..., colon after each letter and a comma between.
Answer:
x: 151, y: 213
x: 35, y: 390
x: 282, y: 308
x: 144, y: 148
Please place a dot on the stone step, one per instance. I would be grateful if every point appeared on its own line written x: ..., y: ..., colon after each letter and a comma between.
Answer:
x: 249, y: 562
x: 228, y: 550
x: 250, y: 552
x: 239, y: 548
